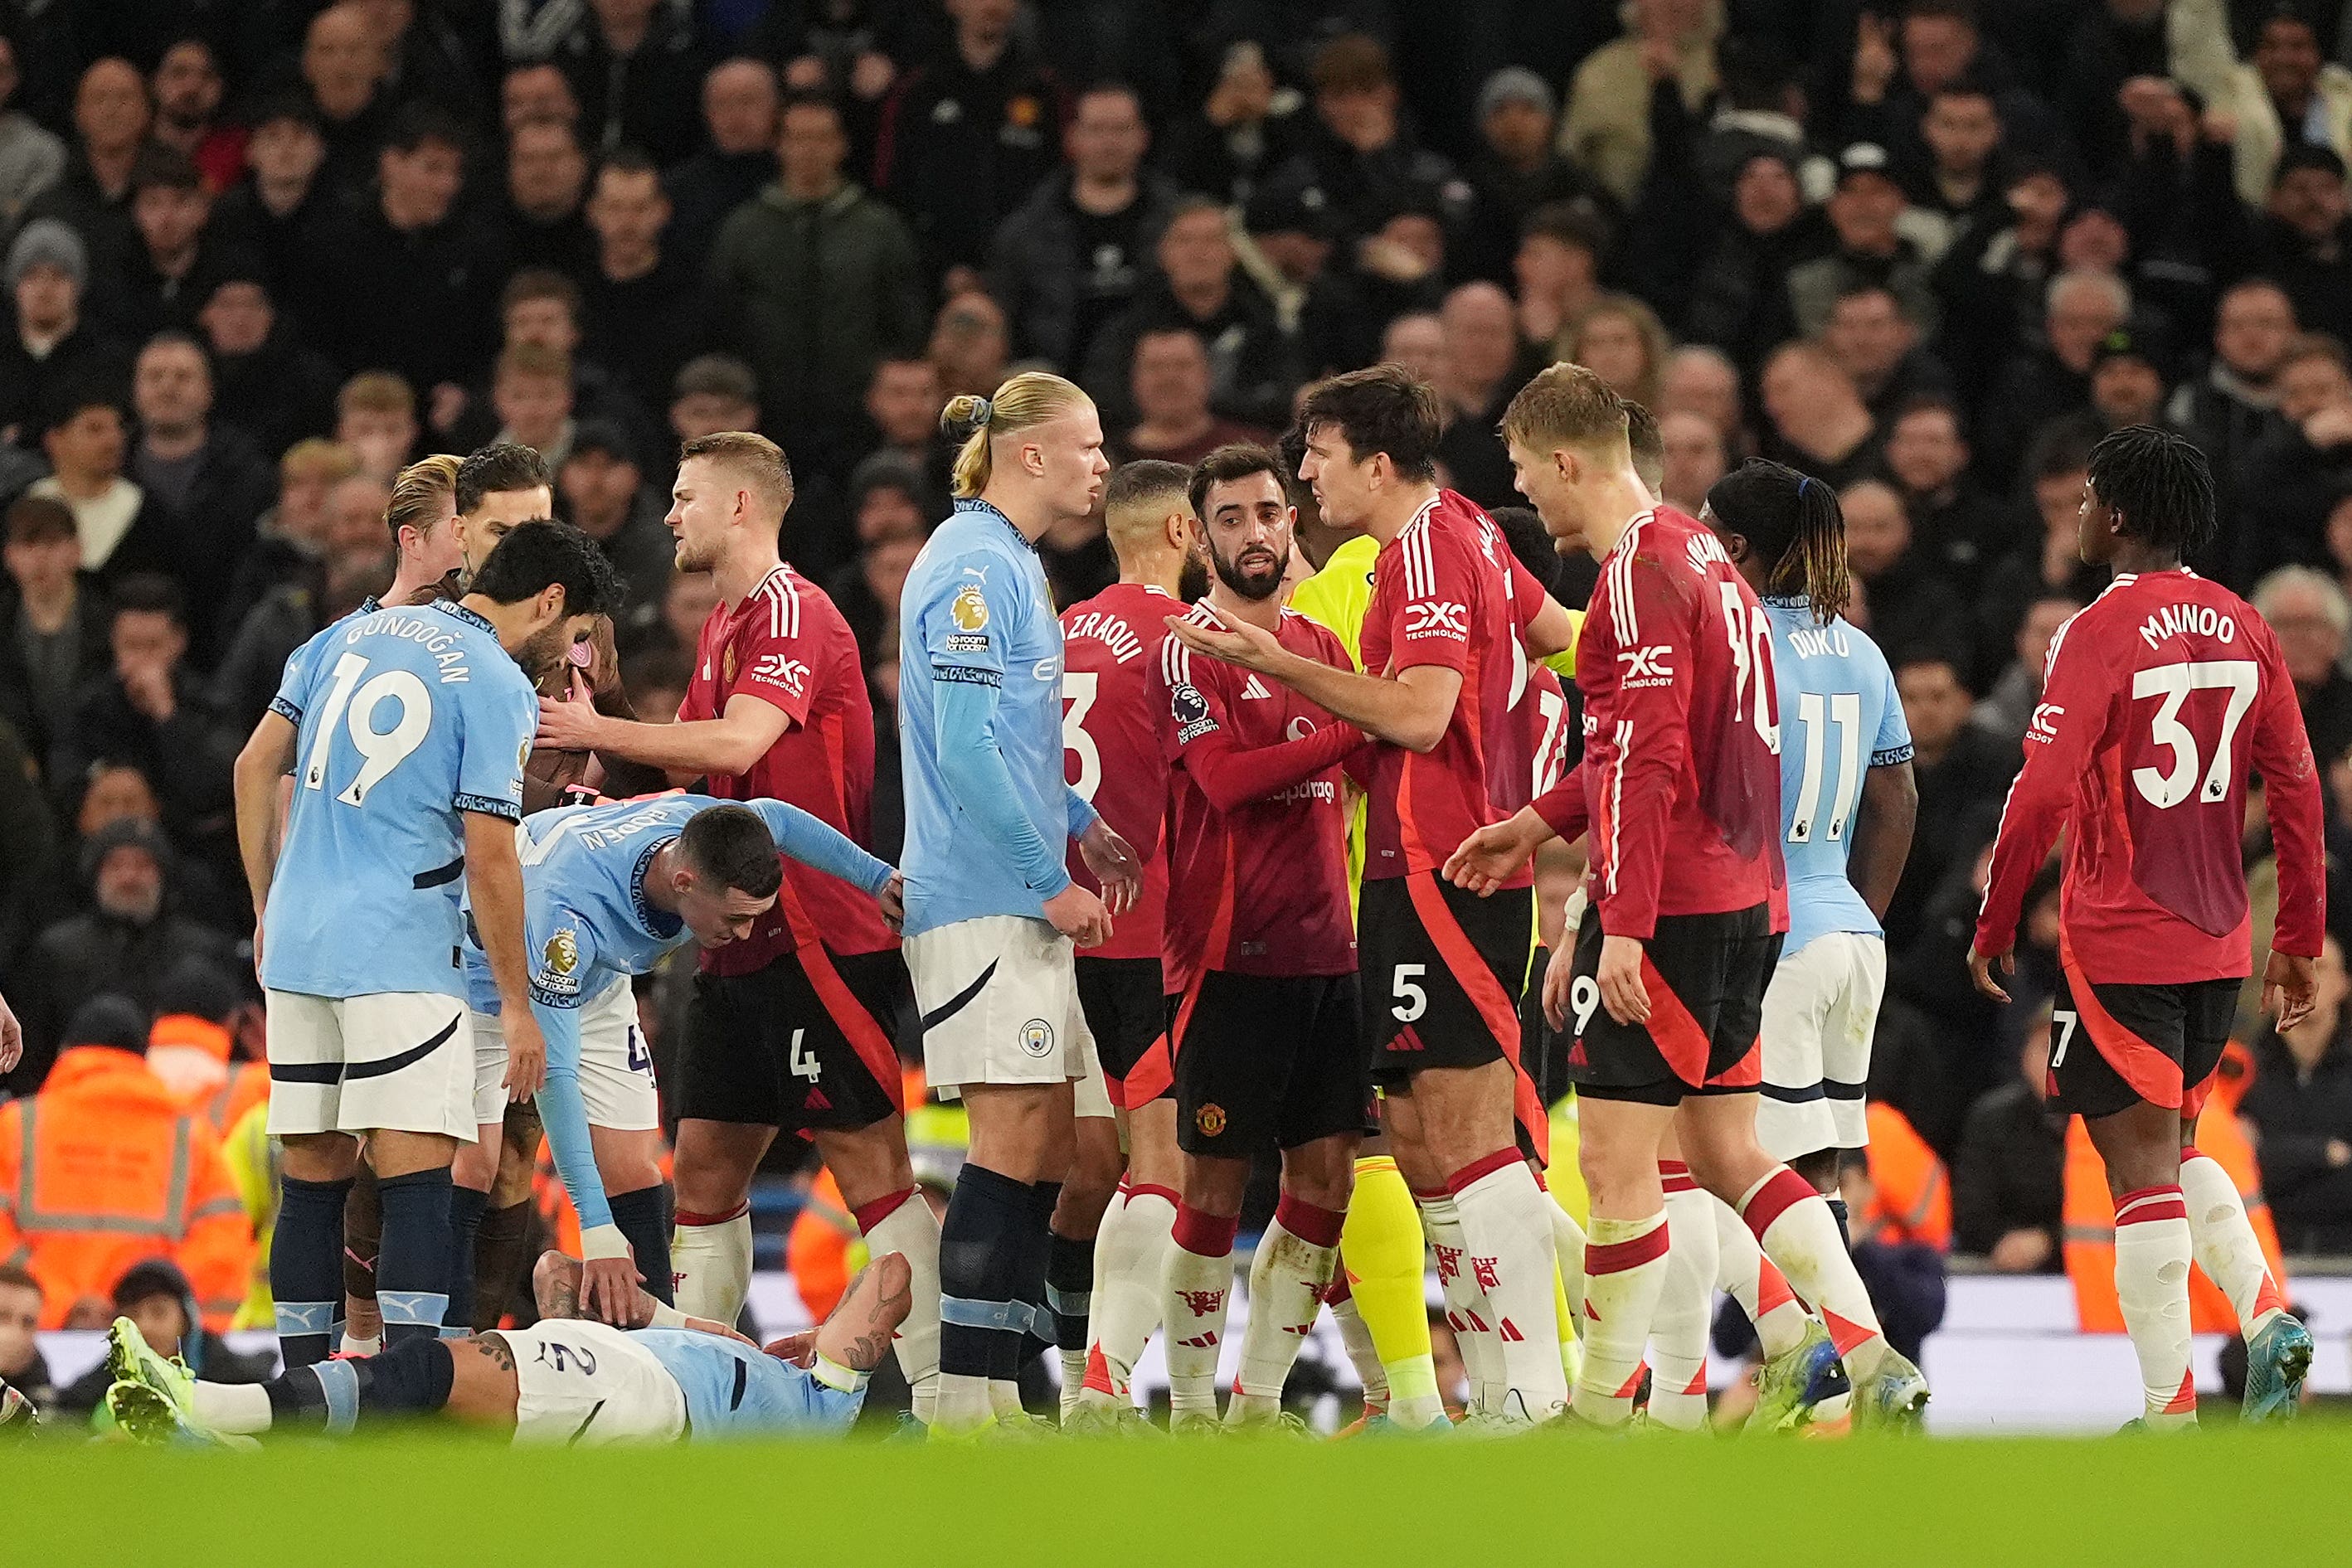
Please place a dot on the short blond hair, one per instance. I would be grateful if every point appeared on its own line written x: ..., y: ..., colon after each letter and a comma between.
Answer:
x: 532, y: 359
x: 1565, y: 405
x: 316, y: 457
x: 1025, y: 402
x: 750, y: 456
x: 420, y: 492
x: 376, y: 391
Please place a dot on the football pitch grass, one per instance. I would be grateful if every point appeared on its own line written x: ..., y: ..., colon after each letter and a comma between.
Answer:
x: 2221, y: 1496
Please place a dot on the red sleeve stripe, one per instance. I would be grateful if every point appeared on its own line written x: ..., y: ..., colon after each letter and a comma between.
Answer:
x: 783, y: 597
x: 1420, y: 574
x: 1623, y: 740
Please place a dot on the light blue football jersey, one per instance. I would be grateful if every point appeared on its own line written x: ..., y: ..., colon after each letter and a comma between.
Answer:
x: 405, y: 719
x: 1840, y: 716
x: 976, y: 610
x: 734, y: 1391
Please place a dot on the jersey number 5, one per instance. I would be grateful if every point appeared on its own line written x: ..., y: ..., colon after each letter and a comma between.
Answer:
x: 380, y: 750
x: 1079, y: 688
x: 2240, y: 677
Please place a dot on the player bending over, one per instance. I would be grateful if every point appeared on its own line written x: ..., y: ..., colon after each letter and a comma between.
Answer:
x: 2157, y: 699
x: 563, y: 1381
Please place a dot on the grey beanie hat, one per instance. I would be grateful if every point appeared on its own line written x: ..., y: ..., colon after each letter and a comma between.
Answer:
x: 51, y: 242
x: 1515, y: 82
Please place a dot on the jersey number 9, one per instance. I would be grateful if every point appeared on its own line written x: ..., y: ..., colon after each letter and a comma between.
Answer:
x: 380, y: 750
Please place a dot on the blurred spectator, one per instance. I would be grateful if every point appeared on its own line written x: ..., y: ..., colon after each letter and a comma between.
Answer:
x: 1740, y: 299
x: 1958, y: 183
x: 1170, y: 392
x: 713, y: 393
x: 1960, y: 528
x: 1899, y: 66
x: 634, y: 67
x: 971, y: 345
x: 2298, y: 465
x: 2114, y: 42
x: 540, y: 308
x: 1557, y: 271
x: 2300, y: 1106
x: 1071, y: 256
x: 1291, y: 241
x: 2288, y: 93
x: 2084, y: 308
x: 1992, y: 285
x: 968, y: 133
x: 1250, y: 371
x: 2048, y: 564
x: 156, y: 1295
x: 867, y: 592
x: 112, y: 1173
x: 641, y: 306
x: 815, y: 281
x: 111, y: 116
x: 397, y: 282
x: 1669, y: 44
x: 1696, y: 459
x: 52, y: 346
x: 739, y: 116
x: 206, y: 1042
x: 2228, y: 408
x: 1401, y: 265
x: 1621, y: 340
x: 266, y: 381
x: 1818, y: 423
x: 2300, y: 242
x: 22, y: 1366
x: 1247, y: 128
x: 1480, y: 375
x: 267, y: 213
x: 31, y: 159
x: 1878, y: 349
x: 343, y: 65
x: 82, y: 437
x: 2314, y: 622
x: 204, y: 482
x: 1699, y: 380
x: 547, y: 181
x: 1416, y: 342
x: 2007, y: 1181
x: 1866, y: 214
x: 53, y: 623
x: 352, y: 563
x: 376, y: 422
x: 902, y: 404
x: 1519, y: 173
x: 536, y: 90
x: 530, y: 390
x: 2007, y: 709
x: 686, y: 606
x: 1911, y: 607
x: 291, y: 534
x: 1959, y: 768
x: 602, y: 492
x: 166, y: 276
x: 1361, y: 155
x: 188, y: 90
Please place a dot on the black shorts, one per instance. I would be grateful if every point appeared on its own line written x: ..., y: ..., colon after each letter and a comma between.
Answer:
x: 1706, y: 975
x: 786, y: 1047
x: 2160, y: 1044
x: 1128, y: 1015
x: 1265, y: 1062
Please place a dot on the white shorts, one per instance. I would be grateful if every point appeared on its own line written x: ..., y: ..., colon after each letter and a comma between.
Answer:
x: 398, y: 1061
x: 616, y: 1071
x: 998, y: 996
x: 584, y: 1385
x: 1819, y: 1013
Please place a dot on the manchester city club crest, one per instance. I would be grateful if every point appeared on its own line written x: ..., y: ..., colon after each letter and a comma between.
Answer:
x: 1037, y: 1039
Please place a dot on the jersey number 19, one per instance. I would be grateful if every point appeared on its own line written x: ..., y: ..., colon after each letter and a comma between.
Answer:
x: 380, y: 750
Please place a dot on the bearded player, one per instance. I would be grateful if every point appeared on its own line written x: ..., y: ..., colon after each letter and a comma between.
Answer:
x: 2158, y: 698
x: 791, y: 1027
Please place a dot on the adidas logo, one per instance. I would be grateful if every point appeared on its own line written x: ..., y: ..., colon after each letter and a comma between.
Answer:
x: 1254, y: 688
x: 816, y: 1101
x: 1510, y: 1331
x: 1201, y: 1341
x: 1576, y: 1054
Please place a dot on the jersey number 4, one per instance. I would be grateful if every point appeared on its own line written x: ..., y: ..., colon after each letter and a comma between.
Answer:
x: 1079, y: 689
x: 380, y: 750
x: 2241, y: 678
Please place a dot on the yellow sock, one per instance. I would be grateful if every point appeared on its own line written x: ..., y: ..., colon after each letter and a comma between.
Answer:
x: 1381, y: 1248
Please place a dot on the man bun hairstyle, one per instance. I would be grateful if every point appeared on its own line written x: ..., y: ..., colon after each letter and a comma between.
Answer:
x: 974, y: 423
x: 497, y: 469
x: 539, y: 553
x: 1795, y: 526
x: 1380, y: 409
x: 733, y: 847
x: 2158, y: 483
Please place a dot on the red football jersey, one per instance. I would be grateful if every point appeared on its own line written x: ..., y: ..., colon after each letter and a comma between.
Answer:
x: 1543, y: 724
x: 1259, y: 883
x: 1110, y: 744
x: 787, y: 646
x: 1681, y: 733
x: 1447, y: 590
x: 2155, y: 701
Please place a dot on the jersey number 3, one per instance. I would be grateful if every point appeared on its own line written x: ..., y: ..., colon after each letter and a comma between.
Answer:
x: 1079, y: 689
x: 380, y: 750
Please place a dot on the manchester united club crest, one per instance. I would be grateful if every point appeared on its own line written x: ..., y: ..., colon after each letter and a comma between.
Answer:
x: 726, y: 664
x: 1210, y: 1118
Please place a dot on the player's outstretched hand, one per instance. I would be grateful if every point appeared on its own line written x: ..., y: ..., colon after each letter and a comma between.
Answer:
x: 11, y: 1037
x: 1491, y: 856
x: 708, y: 1325
x: 2290, y: 985
x: 800, y: 1349
x: 526, y: 1055
x: 1079, y: 916
x: 1239, y: 642
x: 893, y: 900
x: 567, y: 725
x: 1622, y: 991
x: 1558, y: 982
x: 609, y: 1293
x: 1980, y: 970
x: 1113, y: 861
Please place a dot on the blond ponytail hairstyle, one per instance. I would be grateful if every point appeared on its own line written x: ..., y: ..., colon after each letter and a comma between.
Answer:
x: 1026, y: 401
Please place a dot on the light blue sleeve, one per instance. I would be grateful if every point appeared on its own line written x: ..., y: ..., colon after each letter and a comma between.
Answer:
x: 563, y: 975
x: 293, y: 696
x: 1083, y: 814
x: 498, y: 720
x: 974, y: 772
x: 817, y: 845
x: 1893, y: 745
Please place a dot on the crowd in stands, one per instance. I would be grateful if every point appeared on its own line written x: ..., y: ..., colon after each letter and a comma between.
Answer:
x: 256, y: 258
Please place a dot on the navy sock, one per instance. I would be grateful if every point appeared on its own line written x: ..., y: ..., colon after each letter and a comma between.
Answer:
x: 467, y: 1208
x: 411, y: 1270
x: 1037, y: 1241
x: 1069, y: 1286
x: 643, y: 1218
x: 306, y: 1267
x: 1837, y: 1212
x: 413, y: 1378
x: 499, y: 1250
x: 979, y: 1244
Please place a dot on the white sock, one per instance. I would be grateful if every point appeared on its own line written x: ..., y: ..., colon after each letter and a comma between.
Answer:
x: 240, y: 1409
x: 1199, y: 1281
x: 1294, y: 1263
x: 712, y: 1261
x: 1363, y: 1355
x: 356, y: 1347
x: 2226, y: 1246
x: 1004, y: 1397
x: 1751, y: 1279
x: 1507, y: 1220
x: 910, y: 1230
x: 964, y: 1404
x: 1624, y: 1271
x: 2152, y: 1250
x: 1467, y: 1311
x: 1678, y: 1328
x: 1568, y: 1247
x: 1130, y: 1272
x: 1798, y: 1231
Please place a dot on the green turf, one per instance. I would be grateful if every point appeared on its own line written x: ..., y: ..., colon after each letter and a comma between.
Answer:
x: 424, y: 1501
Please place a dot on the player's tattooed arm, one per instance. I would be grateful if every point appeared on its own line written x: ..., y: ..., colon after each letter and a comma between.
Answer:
x: 495, y: 1346
x: 873, y: 1341
x: 555, y: 1285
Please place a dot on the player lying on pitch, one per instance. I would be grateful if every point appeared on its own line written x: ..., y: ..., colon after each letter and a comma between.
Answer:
x: 564, y: 1380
